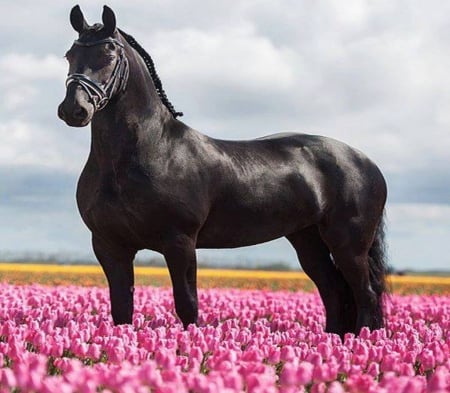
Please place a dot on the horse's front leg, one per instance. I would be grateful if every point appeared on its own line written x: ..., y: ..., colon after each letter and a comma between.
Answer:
x: 117, y: 263
x: 181, y: 260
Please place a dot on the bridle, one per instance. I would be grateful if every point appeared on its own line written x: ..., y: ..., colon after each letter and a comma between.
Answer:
x: 101, y: 93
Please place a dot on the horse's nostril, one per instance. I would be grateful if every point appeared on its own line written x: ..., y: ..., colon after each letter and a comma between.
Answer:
x: 80, y: 113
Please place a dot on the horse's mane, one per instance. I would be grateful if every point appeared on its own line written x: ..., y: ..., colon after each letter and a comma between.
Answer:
x: 151, y: 68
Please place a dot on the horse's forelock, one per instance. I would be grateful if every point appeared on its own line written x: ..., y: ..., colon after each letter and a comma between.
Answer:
x: 94, y: 33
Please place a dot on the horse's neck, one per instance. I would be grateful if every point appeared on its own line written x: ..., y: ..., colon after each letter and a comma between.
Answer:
x: 137, y: 114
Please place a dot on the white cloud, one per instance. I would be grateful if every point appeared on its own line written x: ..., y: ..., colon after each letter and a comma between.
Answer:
x: 30, y: 133
x: 217, y: 58
x: 421, y: 215
x: 25, y: 77
x: 29, y: 144
x: 27, y: 67
x: 418, y: 236
x: 17, y: 96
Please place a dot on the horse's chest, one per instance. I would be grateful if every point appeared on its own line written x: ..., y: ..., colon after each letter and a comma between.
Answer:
x: 103, y: 211
x: 138, y: 209
x: 107, y: 210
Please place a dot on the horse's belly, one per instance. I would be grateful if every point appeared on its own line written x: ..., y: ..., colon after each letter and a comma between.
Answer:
x: 230, y: 229
x: 238, y: 237
x: 266, y: 207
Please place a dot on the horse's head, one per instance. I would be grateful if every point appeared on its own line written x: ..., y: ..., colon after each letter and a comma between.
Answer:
x: 98, y: 68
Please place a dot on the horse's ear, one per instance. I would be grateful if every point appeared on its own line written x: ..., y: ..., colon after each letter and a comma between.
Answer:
x: 109, y: 20
x: 77, y: 20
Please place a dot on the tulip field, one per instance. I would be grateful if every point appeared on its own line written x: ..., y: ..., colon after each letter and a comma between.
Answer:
x: 58, y: 336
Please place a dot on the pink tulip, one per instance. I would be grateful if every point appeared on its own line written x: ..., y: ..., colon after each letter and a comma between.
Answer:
x: 439, y: 381
x: 305, y: 373
x: 7, y: 378
x: 289, y: 375
x: 427, y: 359
x: 259, y: 341
x: 325, y: 350
x: 233, y: 381
x: 335, y: 387
x: 287, y: 354
x: 274, y: 355
x: 373, y: 370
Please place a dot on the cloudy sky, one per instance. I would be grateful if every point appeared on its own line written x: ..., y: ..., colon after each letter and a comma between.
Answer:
x: 374, y: 74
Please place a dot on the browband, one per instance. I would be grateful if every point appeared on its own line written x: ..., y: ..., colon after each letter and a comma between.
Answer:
x: 99, y: 42
x: 101, y: 93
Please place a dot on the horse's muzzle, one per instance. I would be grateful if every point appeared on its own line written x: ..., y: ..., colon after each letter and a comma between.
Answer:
x: 75, y: 114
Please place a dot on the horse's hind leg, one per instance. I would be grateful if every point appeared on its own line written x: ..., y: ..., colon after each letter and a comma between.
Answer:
x: 354, y: 266
x: 117, y: 264
x: 336, y: 294
x: 349, y: 244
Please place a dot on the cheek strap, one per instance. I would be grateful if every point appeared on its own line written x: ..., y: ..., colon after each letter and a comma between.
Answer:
x: 100, y: 94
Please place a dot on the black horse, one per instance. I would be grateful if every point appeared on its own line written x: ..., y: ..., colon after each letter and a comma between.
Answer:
x: 152, y: 182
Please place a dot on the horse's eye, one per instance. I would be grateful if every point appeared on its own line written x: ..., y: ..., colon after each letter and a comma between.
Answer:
x: 110, y: 46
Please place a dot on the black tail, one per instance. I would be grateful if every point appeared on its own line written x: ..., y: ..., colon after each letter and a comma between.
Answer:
x: 378, y: 269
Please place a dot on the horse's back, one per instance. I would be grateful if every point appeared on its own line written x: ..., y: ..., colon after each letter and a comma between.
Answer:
x: 301, y: 152
x: 278, y: 135
x: 327, y: 153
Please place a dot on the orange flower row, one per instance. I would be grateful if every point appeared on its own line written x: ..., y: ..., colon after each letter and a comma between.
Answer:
x: 92, y: 275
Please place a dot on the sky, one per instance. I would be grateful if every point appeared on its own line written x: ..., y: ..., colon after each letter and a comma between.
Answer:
x: 372, y: 74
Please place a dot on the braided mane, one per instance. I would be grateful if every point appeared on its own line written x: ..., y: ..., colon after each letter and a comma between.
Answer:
x: 151, y: 68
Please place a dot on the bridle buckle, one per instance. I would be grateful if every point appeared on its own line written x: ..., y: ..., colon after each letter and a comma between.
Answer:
x: 100, y: 94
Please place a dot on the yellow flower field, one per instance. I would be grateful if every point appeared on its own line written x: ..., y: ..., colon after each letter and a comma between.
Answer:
x: 92, y: 275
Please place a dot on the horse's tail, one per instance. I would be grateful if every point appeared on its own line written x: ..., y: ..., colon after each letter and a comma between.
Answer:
x: 378, y: 268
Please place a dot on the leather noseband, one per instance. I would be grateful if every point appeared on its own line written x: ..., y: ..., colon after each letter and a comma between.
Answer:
x: 101, y: 93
